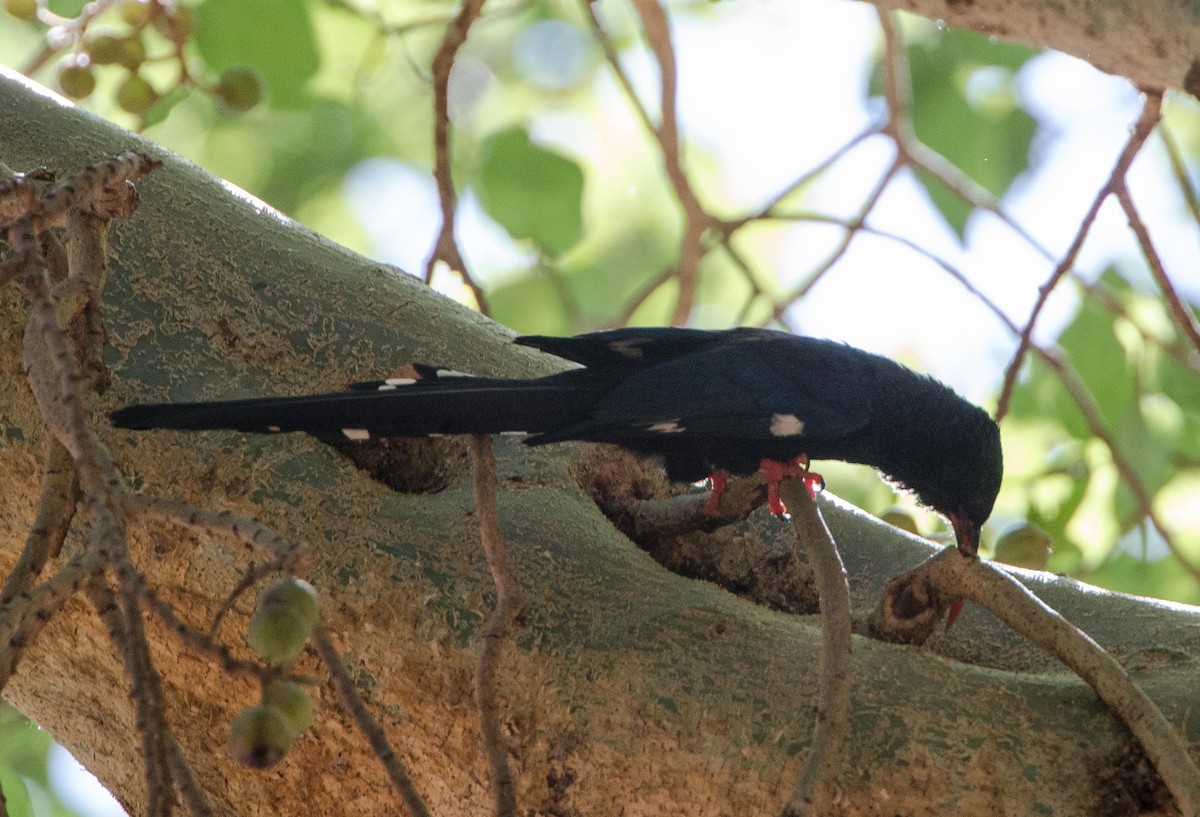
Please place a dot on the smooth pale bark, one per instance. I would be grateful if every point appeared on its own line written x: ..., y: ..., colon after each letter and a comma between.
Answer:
x: 1155, y: 43
x: 632, y: 690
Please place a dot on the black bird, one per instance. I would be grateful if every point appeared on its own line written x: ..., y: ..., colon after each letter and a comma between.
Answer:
x: 703, y: 402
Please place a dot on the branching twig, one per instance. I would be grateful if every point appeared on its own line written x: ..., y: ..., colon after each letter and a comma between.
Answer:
x: 818, y: 787
x: 347, y: 693
x: 292, y: 554
x: 1124, y: 465
x: 23, y: 616
x: 950, y: 575
x: 1180, y: 312
x: 55, y: 510
x: 508, y: 603
x: 445, y: 247
x: 1137, y: 138
x: 145, y: 692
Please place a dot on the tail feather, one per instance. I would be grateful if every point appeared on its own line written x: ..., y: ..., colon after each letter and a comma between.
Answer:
x: 458, y: 406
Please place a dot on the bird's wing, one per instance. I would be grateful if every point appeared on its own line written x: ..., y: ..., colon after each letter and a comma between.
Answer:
x: 760, y: 388
x: 635, y: 347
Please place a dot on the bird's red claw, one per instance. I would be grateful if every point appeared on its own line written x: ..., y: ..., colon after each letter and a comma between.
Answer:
x: 718, y: 479
x: 775, y: 472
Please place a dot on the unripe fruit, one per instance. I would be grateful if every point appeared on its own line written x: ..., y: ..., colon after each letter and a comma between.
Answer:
x: 135, y: 14
x: 22, y: 9
x: 293, y: 702
x: 239, y: 88
x: 75, y: 77
x: 133, y: 53
x: 900, y: 518
x: 277, y: 633
x: 259, y: 737
x: 1024, y: 545
x: 103, y: 46
x: 294, y: 593
x: 135, y: 95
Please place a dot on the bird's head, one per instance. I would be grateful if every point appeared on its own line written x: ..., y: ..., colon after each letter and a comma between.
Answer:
x: 954, y: 465
x: 970, y: 487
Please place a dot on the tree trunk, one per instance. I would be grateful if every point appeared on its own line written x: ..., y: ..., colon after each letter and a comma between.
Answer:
x: 632, y: 690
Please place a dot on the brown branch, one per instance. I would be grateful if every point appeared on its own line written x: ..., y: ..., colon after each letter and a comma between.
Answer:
x: 614, y: 62
x: 1095, y: 423
x: 353, y: 705
x: 1180, y: 312
x: 508, y: 604
x: 67, y: 417
x: 445, y: 248
x: 52, y: 520
x: 292, y: 554
x: 817, y: 790
x: 1149, y: 117
x: 202, y: 642
x: 124, y: 629
x: 657, y: 520
x: 696, y: 221
x: 853, y: 227
x: 949, y: 575
x: 185, y: 778
x: 1179, y: 171
x: 23, y: 616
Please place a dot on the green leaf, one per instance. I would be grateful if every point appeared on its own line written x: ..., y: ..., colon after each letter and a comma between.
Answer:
x: 274, y: 36
x: 1041, y: 396
x: 532, y: 192
x: 1092, y: 348
x: 965, y: 107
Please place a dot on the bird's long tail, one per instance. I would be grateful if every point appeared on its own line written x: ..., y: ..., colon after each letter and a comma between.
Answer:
x: 391, y: 408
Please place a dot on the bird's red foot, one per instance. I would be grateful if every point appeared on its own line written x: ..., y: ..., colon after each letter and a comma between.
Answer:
x: 718, y: 479
x: 777, y: 471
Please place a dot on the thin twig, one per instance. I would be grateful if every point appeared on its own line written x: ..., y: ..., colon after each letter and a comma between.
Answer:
x: 1180, y: 312
x: 696, y: 220
x: 508, y: 603
x: 23, y: 616
x: 1149, y: 117
x: 353, y: 705
x: 145, y: 693
x: 1094, y: 419
x: 853, y: 226
x: 445, y: 247
x: 189, y: 786
x: 292, y: 554
x: 52, y: 520
x: 67, y: 417
x: 1179, y: 170
x: 818, y: 787
x: 956, y: 576
x: 202, y: 642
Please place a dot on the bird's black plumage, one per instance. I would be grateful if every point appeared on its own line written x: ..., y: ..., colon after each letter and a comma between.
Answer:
x: 701, y: 401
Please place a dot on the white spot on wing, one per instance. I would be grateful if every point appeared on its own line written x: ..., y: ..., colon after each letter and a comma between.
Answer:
x: 667, y: 427
x: 356, y: 433
x: 628, y: 347
x: 452, y: 373
x: 393, y: 382
x: 786, y: 425
x: 512, y: 433
x: 273, y: 428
